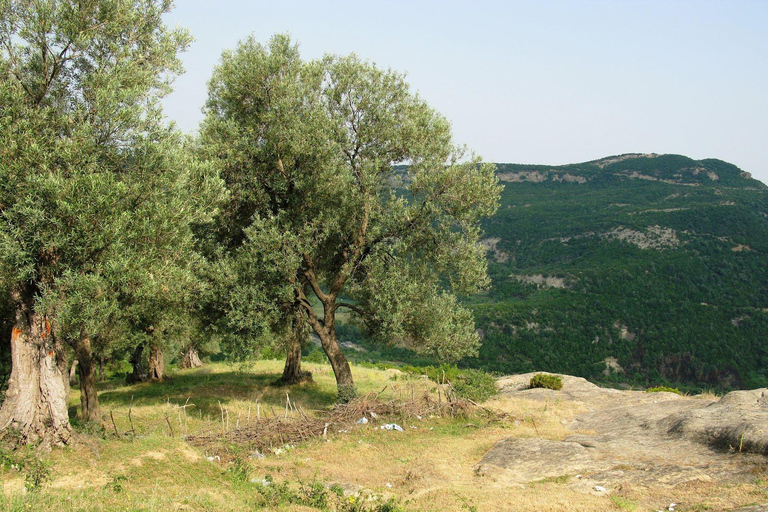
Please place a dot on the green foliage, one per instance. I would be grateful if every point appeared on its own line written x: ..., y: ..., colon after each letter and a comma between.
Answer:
x: 470, y: 384
x: 543, y: 380
x: 316, y: 495
x: 35, y: 469
x: 98, y: 195
x: 622, y: 503
x: 685, y: 311
x: 315, y: 355
x: 663, y: 389
x: 345, y: 393
x: 117, y: 484
x: 239, y: 470
x: 323, y: 218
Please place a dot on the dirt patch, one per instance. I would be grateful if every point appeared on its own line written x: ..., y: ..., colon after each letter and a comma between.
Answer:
x: 153, y: 455
x: 80, y: 480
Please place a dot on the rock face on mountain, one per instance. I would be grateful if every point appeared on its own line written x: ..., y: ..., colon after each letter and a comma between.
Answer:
x: 660, y: 440
x: 656, y: 262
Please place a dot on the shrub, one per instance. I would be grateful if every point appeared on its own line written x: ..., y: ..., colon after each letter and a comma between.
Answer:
x: 469, y: 384
x: 543, y: 380
x: 315, y: 355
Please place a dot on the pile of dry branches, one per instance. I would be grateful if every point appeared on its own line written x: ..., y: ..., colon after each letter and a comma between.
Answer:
x: 266, y: 434
x: 421, y: 405
x: 274, y: 432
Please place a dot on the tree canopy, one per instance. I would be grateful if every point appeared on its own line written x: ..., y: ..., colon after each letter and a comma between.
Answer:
x: 347, y: 192
x: 96, y: 195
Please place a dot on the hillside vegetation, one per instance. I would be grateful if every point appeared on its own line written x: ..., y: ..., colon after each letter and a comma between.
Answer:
x: 645, y: 269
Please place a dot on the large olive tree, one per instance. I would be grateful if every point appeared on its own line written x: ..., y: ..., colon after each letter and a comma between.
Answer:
x: 350, y: 194
x: 81, y: 159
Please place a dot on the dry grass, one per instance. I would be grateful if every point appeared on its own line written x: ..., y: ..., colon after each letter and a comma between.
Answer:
x: 429, y: 465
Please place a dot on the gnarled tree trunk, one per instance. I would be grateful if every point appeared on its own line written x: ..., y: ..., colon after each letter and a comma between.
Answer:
x: 190, y: 358
x: 292, y: 373
x: 137, y: 361
x: 89, y: 399
x: 156, y: 364
x: 35, y: 406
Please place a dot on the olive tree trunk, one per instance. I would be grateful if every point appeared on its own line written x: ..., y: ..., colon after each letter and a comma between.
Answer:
x: 292, y: 373
x: 190, y: 358
x: 73, y: 373
x: 89, y: 399
x: 138, y: 374
x: 35, y: 407
x: 156, y: 364
x: 345, y: 385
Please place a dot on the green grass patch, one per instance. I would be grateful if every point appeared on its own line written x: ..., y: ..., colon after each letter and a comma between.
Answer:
x: 663, y: 389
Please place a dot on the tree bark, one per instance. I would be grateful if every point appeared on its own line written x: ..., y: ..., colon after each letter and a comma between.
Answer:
x: 137, y: 361
x: 73, y: 373
x: 292, y: 373
x: 156, y: 364
x: 35, y: 407
x: 326, y: 330
x: 345, y: 385
x: 191, y: 359
x: 89, y: 399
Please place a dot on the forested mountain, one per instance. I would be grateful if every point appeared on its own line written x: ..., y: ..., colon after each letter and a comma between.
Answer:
x: 646, y: 269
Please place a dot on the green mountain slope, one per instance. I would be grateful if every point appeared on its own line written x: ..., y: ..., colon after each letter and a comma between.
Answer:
x: 635, y: 268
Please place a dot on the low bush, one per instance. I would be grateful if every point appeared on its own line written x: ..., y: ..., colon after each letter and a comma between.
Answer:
x: 544, y: 380
x: 315, y: 354
x: 475, y: 385
x: 317, y: 496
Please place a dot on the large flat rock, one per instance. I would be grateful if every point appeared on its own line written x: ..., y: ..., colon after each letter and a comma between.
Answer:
x: 653, y: 439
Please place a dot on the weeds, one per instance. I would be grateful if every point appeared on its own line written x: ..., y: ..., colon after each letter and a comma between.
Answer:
x: 468, y: 384
x: 36, y: 471
x: 239, y: 471
x: 318, y: 496
x: 623, y: 503
x: 664, y: 389
x: 117, y: 484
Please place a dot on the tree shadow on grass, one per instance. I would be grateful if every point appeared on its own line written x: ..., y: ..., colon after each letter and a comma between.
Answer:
x: 206, y: 390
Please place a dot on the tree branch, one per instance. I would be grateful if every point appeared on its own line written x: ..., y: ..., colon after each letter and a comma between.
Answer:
x: 309, y: 275
x: 354, y: 308
x: 316, y: 323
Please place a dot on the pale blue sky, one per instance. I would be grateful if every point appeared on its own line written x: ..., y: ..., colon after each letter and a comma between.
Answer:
x: 549, y: 82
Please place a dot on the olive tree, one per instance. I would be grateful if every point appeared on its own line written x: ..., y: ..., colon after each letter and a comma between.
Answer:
x: 358, y: 198
x: 80, y: 138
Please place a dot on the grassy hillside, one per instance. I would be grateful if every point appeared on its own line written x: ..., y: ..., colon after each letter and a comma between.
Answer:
x: 638, y: 268
x: 146, y: 457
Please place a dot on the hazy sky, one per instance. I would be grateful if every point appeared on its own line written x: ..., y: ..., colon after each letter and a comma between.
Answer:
x: 549, y: 82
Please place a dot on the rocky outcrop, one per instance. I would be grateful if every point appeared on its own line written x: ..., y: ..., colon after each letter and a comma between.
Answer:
x: 738, y: 423
x: 654, y: 237
x: 647, y: 439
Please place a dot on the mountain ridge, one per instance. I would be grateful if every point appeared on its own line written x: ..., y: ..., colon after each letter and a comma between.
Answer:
x: 638, y: 268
